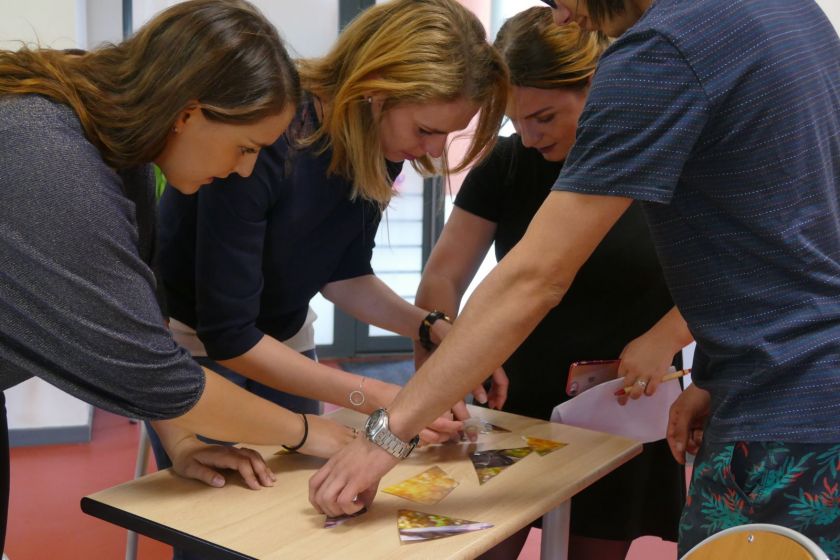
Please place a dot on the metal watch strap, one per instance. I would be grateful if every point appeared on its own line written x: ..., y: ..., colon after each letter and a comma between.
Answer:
x: 378, y: 432
x: 393, y: 445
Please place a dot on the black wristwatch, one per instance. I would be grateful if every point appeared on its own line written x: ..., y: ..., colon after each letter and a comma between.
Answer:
x: 425, y: 337
x: 376, y: 430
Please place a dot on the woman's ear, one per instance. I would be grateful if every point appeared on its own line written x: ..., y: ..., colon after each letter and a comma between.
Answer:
x: 187, y: 113
x: 376, y: 102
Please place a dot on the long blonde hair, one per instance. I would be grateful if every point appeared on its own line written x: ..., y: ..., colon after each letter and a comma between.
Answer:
x: 541, y: 54
x: 408, y: 51
x: 222, y: 53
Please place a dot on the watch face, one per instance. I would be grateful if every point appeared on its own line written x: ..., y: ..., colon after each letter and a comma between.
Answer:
x: 377, y: 420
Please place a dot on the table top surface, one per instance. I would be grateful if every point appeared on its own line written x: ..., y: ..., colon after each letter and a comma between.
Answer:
x: 279, y: 522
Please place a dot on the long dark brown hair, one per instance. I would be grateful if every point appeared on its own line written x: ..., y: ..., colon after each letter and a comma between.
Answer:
x: 541, y: 54
x: 222, y: 53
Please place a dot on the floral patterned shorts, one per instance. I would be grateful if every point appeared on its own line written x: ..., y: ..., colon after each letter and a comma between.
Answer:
x: 795, y: 485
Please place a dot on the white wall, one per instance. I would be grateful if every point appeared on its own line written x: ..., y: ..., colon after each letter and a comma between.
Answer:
x: 832, y: 10
x: 309, y: 27
x: 48, y: 23
x: 104, y: 22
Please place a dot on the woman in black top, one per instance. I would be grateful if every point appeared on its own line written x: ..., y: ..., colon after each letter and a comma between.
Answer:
x: 618, y: 295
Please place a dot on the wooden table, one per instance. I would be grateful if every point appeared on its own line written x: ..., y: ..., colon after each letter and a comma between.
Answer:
x: 279, y: 523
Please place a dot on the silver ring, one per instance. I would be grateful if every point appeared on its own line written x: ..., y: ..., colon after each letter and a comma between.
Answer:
x: 641, y: 383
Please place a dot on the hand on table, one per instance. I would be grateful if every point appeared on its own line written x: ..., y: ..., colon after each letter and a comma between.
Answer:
x: 349, y: 480
x: 192, y: 458
x: 686, y: 421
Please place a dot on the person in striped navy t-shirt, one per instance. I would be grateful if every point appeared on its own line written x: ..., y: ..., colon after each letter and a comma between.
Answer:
x: 723, y: 118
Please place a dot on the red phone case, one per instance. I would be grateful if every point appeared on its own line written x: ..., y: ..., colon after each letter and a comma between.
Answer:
x: 585, y: 375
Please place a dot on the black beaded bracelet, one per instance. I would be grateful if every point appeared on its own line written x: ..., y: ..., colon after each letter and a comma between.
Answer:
x: 305, y: 435
x: 425, y: 337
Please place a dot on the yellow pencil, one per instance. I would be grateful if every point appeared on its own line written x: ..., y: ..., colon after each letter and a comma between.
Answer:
x: 666, y: 377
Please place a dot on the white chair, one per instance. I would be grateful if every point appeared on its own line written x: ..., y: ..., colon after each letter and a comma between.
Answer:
x: 758, y: 541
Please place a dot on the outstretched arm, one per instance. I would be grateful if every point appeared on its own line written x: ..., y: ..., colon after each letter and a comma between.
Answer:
x: 371, y: 301
x: 451, y: 267
x: 510, y: 302
x: 229, y: 413
x: 272, y: 363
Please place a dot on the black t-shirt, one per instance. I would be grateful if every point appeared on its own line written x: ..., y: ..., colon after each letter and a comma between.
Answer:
x: 618, y: 294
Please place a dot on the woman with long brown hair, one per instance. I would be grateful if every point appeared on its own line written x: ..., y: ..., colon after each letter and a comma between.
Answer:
x: 198, y: 90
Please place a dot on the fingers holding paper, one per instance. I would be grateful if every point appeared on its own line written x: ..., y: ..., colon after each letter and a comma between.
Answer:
x: 646, y: 359
x: 348, y: 481
x: 686, y: 421
x: 643, y: 363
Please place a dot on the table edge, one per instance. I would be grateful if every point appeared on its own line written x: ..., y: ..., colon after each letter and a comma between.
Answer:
x: 159, y: 532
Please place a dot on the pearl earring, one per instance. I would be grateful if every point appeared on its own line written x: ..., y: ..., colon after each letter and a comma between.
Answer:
x: 370, y: 100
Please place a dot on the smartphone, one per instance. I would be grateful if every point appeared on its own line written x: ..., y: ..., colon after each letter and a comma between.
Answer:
x: 585, y: 375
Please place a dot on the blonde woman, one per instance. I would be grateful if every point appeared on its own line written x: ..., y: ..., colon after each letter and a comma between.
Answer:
x: 241, y: 261
x: 618, y: 295
x: 197, y: 90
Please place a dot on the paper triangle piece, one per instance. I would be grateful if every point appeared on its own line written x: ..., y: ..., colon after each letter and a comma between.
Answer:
x: 490, y: 463
x: 543, y: 446
x: 429, y: 487
x: 415, y: 526
x: 331, y: 522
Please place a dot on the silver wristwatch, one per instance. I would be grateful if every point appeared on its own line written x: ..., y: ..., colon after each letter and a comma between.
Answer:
x: 376, y: 430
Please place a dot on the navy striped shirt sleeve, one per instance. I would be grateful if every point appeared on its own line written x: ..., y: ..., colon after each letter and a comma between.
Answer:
x: 645, y: 111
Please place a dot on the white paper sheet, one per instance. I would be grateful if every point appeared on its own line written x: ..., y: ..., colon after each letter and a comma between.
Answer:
x: 645, y: 419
